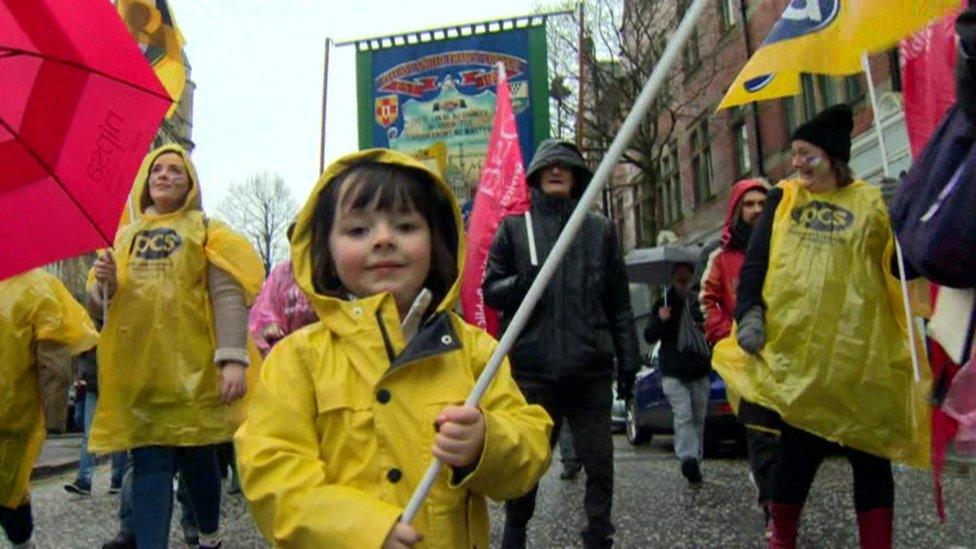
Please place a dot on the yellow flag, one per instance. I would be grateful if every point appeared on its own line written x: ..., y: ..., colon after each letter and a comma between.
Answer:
x: 827, y: 37
x: 434, y: 157
x: 153, y: 27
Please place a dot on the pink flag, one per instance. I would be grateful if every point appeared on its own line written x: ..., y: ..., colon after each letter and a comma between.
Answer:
x: 501, y: 192
x: 927, y: 61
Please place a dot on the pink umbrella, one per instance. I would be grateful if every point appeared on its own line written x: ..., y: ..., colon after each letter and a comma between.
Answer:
x: 79, y: 106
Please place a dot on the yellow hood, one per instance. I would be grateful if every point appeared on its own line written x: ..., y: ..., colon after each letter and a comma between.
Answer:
x: 301, y: 240
x: 139, y: 197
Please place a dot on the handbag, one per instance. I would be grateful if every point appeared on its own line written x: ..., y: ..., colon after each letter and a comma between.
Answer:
x: 934, y: 211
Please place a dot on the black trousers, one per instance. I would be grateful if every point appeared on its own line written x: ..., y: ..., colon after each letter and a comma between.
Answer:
x: 801, y: 454
x: 585, y: 404
x: 763, y: 448
x: 17, y: 523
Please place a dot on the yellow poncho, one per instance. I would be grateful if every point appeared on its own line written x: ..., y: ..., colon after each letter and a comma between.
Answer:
x: 34, y: 306
x: 158, y: 381
x: 836, y: 361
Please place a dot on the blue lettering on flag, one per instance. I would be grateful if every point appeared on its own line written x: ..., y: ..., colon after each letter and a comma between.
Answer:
x: 753, y: 85
x: 803, y: 17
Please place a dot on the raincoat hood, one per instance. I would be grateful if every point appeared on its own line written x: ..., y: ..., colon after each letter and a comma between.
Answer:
x: 139, y: 198
x: 554, y: 151
x: 732, y: 214
x: 343, y: 313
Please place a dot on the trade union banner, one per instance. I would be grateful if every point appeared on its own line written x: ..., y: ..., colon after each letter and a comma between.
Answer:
x: 435, y: 98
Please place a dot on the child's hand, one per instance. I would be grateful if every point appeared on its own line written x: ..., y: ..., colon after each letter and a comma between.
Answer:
x: 460, y: 436
x: 402, y: 535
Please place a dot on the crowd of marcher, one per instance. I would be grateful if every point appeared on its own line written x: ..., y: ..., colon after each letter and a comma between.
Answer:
x: 349, y: 370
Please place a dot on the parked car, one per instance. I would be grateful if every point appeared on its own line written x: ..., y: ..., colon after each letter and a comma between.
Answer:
x: 618, y: 413
x: 649, y: 412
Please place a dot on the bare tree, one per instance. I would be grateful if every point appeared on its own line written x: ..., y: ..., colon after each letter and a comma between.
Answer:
x: 623, y: 41
x: 261, y: 208
x: 73, y: 272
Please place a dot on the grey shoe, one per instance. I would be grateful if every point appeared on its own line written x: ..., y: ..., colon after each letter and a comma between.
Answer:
x: 78, y: 488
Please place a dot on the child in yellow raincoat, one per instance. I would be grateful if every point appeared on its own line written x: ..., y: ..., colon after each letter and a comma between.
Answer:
x: 41, y: 327
x: 350, y: 410
x: 173, y: 352
x: 820, y: 313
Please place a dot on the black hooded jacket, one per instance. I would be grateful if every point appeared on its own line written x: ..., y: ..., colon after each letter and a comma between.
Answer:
x: 584, y: 317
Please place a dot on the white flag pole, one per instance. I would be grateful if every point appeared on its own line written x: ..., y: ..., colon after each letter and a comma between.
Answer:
x: 906, y: 302
x: 592, y: 193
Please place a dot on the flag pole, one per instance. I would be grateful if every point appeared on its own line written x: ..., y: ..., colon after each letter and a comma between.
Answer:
x: 906, y: 302
x: 600, y: 178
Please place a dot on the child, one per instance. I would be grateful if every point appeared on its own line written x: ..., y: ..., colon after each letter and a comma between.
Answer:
x: 350, y: 410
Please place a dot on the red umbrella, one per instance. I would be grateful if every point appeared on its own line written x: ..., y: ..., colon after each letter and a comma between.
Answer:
x: 79, y: 106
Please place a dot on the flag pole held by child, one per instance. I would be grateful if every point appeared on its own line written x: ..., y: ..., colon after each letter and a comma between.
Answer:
x: 600, y: 179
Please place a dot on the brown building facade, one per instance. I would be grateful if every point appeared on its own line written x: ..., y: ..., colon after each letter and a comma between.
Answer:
x: 709, y: 151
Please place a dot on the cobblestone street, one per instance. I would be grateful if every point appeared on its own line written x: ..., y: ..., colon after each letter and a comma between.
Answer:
x: 653, y: 508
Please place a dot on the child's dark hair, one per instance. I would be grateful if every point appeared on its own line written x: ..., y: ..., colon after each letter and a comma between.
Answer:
x: 387, y: 188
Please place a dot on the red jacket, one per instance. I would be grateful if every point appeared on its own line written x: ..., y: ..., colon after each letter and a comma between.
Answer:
x: 721, y: 275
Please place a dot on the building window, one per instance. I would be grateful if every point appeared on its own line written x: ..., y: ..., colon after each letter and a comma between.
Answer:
x: 854, y: 89
x: 819, y: 92
x: 692, y: 51
x: 669, y: 189
x: 743, y: 160
x: 692, y: 54
x: 728, y: 13
x: 701, y: 160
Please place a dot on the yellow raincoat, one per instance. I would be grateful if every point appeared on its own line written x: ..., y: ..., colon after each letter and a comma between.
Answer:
x: 34, y: 306
x: 836, y: 361
x: 338, y: 435
x: 158, y: 381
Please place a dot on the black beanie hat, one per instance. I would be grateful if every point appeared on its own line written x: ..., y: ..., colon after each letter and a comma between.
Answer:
x: 830, y: 130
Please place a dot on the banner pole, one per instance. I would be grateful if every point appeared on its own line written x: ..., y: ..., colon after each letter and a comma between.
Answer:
x: 600, y: 179
x: 906, y: 302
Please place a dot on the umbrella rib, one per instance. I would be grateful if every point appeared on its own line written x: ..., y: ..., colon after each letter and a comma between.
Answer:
x: 75, y: 64
x: 49, y: 170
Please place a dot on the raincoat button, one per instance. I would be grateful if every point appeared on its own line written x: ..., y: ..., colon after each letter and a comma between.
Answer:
x: 383, y: 396
x: 394, y: 475
x: 447, y: 340
x: 357, y: 311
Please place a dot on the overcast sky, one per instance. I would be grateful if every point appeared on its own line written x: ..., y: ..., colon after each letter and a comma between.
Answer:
x: 257, y: 65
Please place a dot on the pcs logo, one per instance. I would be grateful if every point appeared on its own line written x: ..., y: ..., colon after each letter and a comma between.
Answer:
x: 823, y: 217
x: 803, y: 17
x: 156, y: 243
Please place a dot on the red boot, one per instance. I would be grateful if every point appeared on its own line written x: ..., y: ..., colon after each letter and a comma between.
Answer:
x: 874, y: 528
x: 786, y: 523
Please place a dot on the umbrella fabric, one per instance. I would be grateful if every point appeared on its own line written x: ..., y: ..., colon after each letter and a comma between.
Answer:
x: 79, y: 107
x: 654, y: 265
x: 827, y: 37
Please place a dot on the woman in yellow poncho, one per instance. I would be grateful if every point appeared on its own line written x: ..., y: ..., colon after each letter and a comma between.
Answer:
x: 173, y: 352
x: 820, y: 314
x: 41, y: 326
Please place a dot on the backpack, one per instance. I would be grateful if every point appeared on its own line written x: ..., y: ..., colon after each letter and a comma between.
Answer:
x: 934, y: 212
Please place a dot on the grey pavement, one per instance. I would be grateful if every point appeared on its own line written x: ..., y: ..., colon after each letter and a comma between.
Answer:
x: 60, y: 453
x: 653, y: 507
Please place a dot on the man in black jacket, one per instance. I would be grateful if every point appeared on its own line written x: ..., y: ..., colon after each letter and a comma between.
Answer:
x: 564, y: 358
x: 684, y: 373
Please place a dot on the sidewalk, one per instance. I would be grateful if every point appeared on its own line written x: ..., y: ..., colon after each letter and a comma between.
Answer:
x: 59, y: 454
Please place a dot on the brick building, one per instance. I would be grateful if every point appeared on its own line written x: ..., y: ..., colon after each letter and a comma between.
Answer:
x: 710, y: 150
